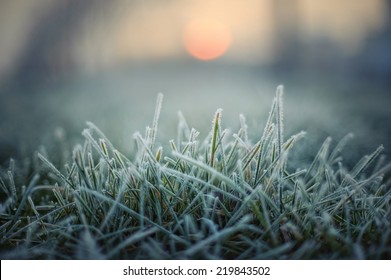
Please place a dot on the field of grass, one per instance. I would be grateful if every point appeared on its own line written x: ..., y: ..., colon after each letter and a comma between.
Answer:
x: 224, y: 197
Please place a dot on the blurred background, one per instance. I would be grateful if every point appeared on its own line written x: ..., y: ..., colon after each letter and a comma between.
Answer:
x: 63, y: 63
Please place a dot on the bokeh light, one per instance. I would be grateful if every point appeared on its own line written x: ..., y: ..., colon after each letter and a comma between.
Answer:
x: 207, y: 39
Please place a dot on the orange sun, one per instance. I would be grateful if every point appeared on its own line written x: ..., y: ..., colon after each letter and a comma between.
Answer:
x: 207, y: 39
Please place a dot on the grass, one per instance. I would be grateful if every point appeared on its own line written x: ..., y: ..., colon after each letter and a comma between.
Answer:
x: 224, y: 197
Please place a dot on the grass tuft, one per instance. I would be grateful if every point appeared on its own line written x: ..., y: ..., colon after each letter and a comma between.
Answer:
x: 223, y: 197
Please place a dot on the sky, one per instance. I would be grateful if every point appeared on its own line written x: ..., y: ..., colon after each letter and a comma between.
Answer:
x: 98, y: 35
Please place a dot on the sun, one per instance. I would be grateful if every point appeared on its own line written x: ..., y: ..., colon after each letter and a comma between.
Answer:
x: 206, y: 39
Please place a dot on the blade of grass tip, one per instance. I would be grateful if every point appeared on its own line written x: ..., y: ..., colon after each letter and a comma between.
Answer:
x: 215, y: 129
x: 159, y: 101
x: 281, y: 165
x: 268, y: 138
x: 93, y: 127
x: 14, y: 225
x: 140, y: 139
x: 244, y: 128
x: 382, y: 170
x: 81, y: 168
x: 43, y: 217
x: 340, y: 146
x: 380, y: 163
x: 58, y: 195
x: 22, y: 203
x: 184, y: 150
x: 220, y: 145
x: 240, y: 141
x: 322, y: 151
x: 173, y: 146
x: 120, y: 159
x: 250, y: 155
x: 366, y: 162
x: 70, y: 171
x: 87, y: 247
x: 330, y: 184
x: 77, y: 156
x: 183, y: 129
x: 193, y: 135
x: 290, y: 176
x: 12, y: 185
x: 147, y: 134
x: 294, y: 194
x: 279, y: 118
x: 37, y: 215
x: 29, y: 190
x: 261, y: 154
x: 103, y: 146
x: 266, y: 171
x: 159, y: 154
x: 12, y: 165
x: 168, y: 161
x: 92, y: 170
x: 100, y: 148
x: 4, y: 188
x: 192, y: 139
x: 233, y: 148
x: 293, y: 139
x: 269, y: 121
x: 3, y: 227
